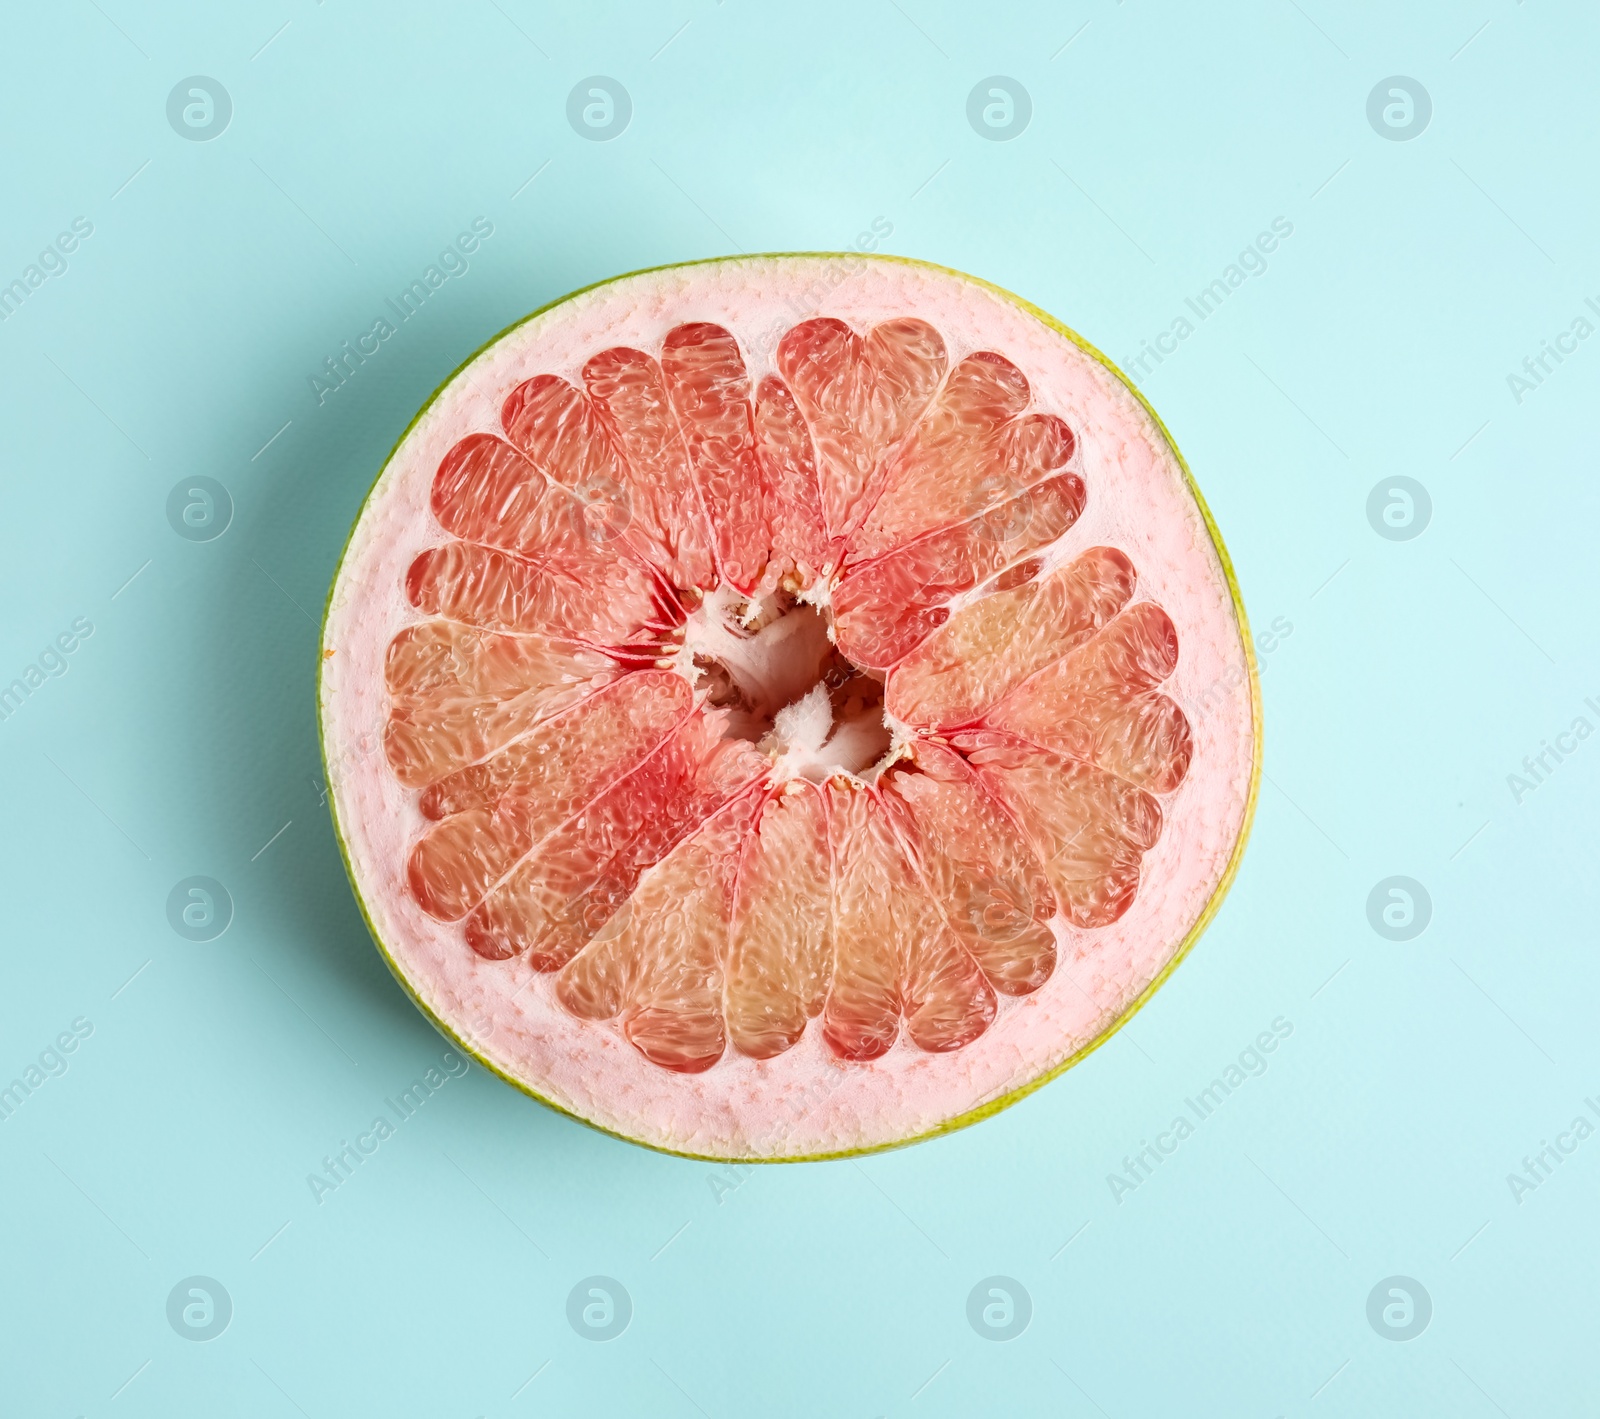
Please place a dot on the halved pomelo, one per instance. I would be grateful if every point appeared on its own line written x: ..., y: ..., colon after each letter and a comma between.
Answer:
x: 786, y: 706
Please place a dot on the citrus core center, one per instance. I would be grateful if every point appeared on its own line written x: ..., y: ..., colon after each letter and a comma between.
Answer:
x: 773, y: 668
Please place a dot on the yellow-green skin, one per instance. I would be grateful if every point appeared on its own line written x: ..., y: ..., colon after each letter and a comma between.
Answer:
x: 1212, y: 905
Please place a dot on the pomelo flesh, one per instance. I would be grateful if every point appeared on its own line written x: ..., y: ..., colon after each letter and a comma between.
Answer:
x: 770, y: 724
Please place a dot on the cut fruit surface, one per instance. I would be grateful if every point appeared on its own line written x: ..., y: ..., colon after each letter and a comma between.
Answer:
x: 770, y: 733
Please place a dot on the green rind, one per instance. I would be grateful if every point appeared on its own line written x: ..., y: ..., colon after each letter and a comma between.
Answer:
x: 983, y: 1111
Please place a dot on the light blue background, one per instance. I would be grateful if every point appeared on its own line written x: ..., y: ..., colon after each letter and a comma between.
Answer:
x: 1164, y: 136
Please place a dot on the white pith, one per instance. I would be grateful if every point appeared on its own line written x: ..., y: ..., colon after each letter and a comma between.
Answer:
x: 776, y: 666
x: 804, y: 1101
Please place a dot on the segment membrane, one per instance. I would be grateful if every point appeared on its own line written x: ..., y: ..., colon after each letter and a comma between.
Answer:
x: 1089, y: 827
x: 991, y: 645
x: 781, y: 949
x: 487, y: 492
x: 660, y: 502
x: 885, y: 609
x: 657, y: 967
x: 979, y: 868
x: 576, y: 879
x: 487, y: 816
x: 1098, y: 703
x: 710, y: 393
x: 457, y: 693
x: 789, y: 468
x: 562, y: 435
x: 860, y: 396
x: 954, y: 463
x: 582, y: 596
x: 893, y: 954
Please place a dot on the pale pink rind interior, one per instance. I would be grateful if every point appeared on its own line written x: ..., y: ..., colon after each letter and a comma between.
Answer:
x: 804, y: 1102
